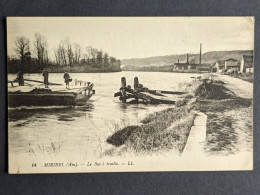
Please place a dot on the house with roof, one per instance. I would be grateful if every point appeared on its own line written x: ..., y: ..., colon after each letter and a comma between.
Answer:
x: 219, y: 65
x: 232, y: 64
x: 247, y: 64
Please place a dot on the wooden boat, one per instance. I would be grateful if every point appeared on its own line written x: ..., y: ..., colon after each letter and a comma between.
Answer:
x: 45, y: 97
x: 29, y: 96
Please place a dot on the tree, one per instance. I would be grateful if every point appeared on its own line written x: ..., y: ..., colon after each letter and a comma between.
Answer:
x: 69, y: 51
x: 40, y: 45
x: 106, y: 60
x: 77, y: 53
x: 57, y: 59
x: 100, y: 58
x: 88, y: 54
x: 60, y: 54
x: 94, y: 53
x: 22, y: 47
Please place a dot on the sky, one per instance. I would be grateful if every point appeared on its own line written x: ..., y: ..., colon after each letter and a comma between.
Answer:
x: 137, y: 37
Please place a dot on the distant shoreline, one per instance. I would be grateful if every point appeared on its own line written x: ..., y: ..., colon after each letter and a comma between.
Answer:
x: 162, y: 71
x: 81, y: 71
x: 72, y: 70
x: 68, y: 72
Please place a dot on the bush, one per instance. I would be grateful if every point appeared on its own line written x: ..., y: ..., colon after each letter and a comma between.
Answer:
x: 210, y: 90
x: 184, y: 101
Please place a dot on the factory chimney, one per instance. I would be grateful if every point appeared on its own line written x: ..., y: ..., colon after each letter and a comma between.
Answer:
x: 187, y: 58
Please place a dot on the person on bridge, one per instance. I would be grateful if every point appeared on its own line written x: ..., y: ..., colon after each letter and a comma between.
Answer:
x: 67, y: 79
x: 20, y: 78
x: 45, y: 75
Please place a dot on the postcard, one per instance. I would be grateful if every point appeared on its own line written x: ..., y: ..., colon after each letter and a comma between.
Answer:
x: 130, y: 94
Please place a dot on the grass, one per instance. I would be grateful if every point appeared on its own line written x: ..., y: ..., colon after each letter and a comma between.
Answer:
x: 120, y: 137
x: 164, y: 130
x: 50, y: 147
x: 210, y: 90
x: 229, y: 118
x: 229, y: 124
x: 229, y: 121
x: 183, y: 101
x: 244, y: 76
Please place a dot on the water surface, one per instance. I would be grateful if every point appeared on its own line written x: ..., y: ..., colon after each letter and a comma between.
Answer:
x: 82, y: 130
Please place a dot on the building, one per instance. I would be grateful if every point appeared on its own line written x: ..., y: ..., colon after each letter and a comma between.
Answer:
x: 204, y: 68
x: 232, y: 64
x: 247, y: 64
x: 188, y: 65
x: 192, y: 66
x: 181, y: 66
x: 220, y: 65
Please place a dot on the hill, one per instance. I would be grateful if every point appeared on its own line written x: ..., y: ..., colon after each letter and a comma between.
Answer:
x: 161, y: 61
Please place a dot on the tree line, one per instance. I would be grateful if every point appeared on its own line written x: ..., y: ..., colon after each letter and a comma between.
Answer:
x: 66, y: 55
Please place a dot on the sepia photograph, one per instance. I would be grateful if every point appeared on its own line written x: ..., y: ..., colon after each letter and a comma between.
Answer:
x: 130, y: 94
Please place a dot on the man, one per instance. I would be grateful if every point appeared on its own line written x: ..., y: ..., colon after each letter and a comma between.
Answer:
x: 67, y: 79
x: 20, y: 78
x: 45, y: 75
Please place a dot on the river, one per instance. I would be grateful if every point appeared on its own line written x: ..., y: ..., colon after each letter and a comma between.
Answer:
x: 82, y: 131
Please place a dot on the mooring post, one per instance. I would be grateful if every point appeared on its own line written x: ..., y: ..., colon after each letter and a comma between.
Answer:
x: 123, y: 86
x: 88, y: 89
x: 136, y: 83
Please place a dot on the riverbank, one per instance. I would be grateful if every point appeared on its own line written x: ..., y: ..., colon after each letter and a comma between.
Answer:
x: 71, y: 69
x: 229, y: 124
x: 161, y: 69
x: 243, y: 76
x: 165, y: 130
x: 230, y: 121
x: 82, y: 69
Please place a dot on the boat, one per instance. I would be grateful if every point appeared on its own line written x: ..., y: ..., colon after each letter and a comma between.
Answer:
x: 38, y: 96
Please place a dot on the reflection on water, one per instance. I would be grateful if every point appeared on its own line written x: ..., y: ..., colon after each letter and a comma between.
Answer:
x: 84, y: 129
x: 38, y: 113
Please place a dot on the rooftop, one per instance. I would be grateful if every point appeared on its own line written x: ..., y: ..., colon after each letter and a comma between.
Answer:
x: 231, y: 59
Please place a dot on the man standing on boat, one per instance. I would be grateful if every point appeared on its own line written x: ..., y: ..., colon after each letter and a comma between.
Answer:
x: 67, y: 78
x: 20, y: 78
x: 45, y: 75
